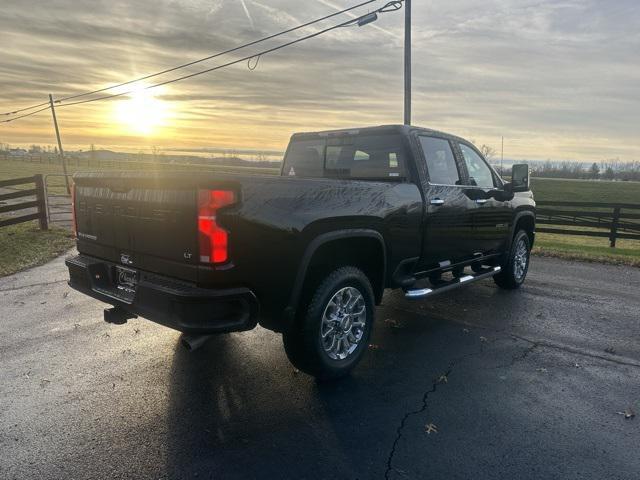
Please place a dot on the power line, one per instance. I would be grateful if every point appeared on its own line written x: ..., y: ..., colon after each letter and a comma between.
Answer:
x: 386, y: 8
x: 27, y: 114
x: 24, y: 109
x: 194, y: 62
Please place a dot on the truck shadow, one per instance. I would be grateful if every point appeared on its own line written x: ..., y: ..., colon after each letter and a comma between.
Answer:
x: 238, y: 409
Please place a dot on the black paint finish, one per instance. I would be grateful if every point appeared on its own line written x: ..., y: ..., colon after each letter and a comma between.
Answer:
x: 152, y: 219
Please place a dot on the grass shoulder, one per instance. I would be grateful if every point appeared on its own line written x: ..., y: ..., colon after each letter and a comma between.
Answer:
x: 24, y: 246
x: 627, y: 252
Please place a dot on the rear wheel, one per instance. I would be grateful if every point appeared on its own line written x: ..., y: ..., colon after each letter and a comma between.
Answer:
x: 332, y: 332
x: 515, y: 269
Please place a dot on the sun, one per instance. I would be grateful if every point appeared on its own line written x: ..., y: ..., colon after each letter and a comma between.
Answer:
x: 142, y: 112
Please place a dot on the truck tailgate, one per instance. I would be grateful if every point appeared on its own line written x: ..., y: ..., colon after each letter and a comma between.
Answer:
x: 145, y: 221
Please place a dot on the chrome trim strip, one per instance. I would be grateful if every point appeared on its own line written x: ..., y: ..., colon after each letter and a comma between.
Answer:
x: 466, y: 278
x: 418, y: 293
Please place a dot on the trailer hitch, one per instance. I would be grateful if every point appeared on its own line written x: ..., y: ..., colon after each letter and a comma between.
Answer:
x: 117, y: 315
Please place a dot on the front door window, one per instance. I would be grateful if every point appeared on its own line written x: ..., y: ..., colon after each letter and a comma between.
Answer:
x: 479, y: 172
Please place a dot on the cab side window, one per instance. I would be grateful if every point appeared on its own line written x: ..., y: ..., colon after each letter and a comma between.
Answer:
x: 441, y: 164
x: 479, y: 172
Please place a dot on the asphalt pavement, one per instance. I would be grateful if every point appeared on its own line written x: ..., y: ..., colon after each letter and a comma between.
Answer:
x: 478, y: 383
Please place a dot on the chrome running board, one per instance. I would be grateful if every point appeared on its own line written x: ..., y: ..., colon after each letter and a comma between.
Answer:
x: 450, y: 285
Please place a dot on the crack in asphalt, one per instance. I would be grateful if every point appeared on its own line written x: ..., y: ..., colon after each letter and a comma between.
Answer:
x: 575, y: 351
x: 515, y: 359
x: 538, y: 343
x: 423, y: 408
x: 518, y: 358
x: 434, y: 386
x: 42, y: 284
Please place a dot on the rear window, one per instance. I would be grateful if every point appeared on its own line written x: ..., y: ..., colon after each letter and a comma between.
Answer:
x: 379, y: 157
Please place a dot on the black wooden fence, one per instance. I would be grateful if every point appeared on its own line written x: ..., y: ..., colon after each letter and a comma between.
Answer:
x: 591, y: 219
x: 39, y: 204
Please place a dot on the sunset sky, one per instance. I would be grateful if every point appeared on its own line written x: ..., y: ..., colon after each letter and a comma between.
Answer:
x: 559, y: 79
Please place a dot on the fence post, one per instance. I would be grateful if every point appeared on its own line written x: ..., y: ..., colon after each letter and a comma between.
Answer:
x: 41, y: 197
x: 614, y: 227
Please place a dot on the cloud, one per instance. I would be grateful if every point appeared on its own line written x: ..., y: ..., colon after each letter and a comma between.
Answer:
x: 557, y: 78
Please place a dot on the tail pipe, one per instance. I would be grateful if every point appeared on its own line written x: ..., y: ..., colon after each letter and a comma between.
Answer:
x: 193, y: 342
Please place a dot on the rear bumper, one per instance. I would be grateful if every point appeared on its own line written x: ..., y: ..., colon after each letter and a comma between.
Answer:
x: 176, y: 304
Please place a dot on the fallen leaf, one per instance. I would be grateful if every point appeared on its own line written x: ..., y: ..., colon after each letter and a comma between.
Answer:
x: 44, y: 382
x: 483, y: 339
x: 577, y: 365
x: 65, y: 294
x: 443, y: 379
x: 465, y: 330
x: 76, y: 326
x: 136, y: 330
x: 431, y: 428
x: 628, y: 413
x: 393, y: 323
x: 541, y: 369
x: 610, y: 350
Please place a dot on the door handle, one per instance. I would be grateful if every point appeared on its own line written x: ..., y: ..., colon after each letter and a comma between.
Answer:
x: 437, y: 201
x: 481, y: 201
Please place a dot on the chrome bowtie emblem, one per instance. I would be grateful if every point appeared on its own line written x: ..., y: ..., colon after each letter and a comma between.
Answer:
x: 125, y: 259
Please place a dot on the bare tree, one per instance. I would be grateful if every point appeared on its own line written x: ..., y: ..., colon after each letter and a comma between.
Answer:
x: 487, y: 151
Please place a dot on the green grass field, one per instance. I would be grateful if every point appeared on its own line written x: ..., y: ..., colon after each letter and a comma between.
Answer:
x: 25, y: 245
x: 585, y: 190
x: 574, y: 247
x: 626, y: 252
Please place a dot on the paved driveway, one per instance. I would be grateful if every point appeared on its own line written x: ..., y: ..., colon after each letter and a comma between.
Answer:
x: 524, y: 385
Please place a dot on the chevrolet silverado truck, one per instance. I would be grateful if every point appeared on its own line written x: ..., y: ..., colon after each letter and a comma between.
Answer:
x: 307, y: 253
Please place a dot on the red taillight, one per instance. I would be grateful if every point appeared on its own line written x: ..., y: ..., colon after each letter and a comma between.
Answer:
x: 213, y: 239
x: 74, y: 222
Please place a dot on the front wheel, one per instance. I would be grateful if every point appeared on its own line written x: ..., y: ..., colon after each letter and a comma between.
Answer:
x: 515, y: 269
x: 332, y: 331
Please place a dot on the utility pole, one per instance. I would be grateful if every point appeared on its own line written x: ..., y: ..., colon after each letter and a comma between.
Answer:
x: 502, y: 157
x: 407, y: 62
x: 64, y: 163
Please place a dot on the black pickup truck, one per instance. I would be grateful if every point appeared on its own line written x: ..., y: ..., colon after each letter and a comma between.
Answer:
x: 308, y: 253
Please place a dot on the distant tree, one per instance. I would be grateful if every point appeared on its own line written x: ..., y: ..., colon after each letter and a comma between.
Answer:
x: 594, y: 171
x: 609, y: 174
x: 487, y: 151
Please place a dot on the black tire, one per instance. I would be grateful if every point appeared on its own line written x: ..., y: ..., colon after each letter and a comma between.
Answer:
x: 303, y: 342
x: 512, y: 275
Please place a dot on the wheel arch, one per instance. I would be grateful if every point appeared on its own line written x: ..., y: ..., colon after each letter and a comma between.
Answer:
x: 364, y: 248
x: 526, y: 220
